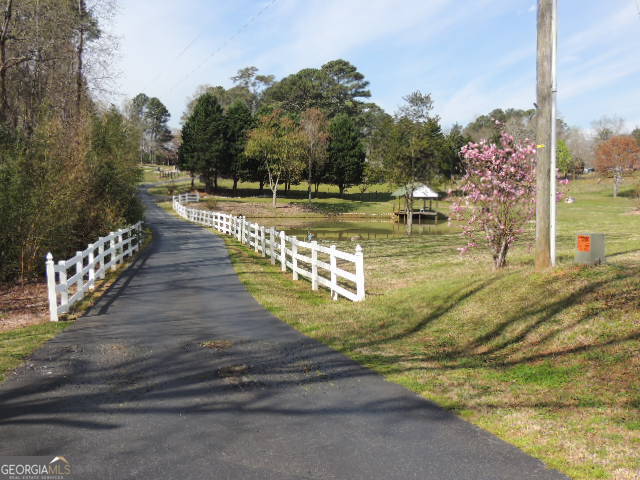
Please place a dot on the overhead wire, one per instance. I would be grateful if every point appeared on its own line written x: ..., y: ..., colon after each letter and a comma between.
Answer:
x: 177, y: 57
x: 227, y: 42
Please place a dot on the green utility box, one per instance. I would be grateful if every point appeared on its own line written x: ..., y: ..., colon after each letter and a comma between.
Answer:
x: 590, y: 249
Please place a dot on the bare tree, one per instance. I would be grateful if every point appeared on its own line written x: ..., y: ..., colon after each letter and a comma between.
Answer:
x: 608, y: 126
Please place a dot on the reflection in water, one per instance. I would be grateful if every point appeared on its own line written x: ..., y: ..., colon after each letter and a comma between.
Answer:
x: 334, y: 229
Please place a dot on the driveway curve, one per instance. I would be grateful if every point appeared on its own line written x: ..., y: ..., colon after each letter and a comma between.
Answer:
x: 177, y: 372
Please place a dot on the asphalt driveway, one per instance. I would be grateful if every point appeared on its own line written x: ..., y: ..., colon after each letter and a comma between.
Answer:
x: 178, y: 373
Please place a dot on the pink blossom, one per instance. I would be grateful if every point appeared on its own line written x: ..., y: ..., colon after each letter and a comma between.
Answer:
x: 499, y: 189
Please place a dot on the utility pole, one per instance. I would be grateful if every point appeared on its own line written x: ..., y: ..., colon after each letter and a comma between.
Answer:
x: 545, y: 127
x: 554, y: 125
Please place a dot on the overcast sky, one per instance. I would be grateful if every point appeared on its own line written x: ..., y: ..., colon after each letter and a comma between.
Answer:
x: 471, y: 55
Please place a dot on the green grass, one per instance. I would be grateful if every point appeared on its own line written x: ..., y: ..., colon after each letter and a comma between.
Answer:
x: 150, y: 173
x: 327, y: 201
x: 544, y: 374
x: 16, y: 345
x: 548, y: 361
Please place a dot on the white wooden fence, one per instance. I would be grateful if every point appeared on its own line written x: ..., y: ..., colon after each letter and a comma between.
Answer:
x: 87, y: 266
x: 341, y: 272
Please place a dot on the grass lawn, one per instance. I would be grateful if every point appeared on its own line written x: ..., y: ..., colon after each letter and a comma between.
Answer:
x: 375, y: 201
x: 547, y: 361
x: 16, y: 345
x: 150, y: 173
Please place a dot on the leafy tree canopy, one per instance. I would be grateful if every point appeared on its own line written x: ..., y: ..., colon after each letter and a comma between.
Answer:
x: 336, y: 87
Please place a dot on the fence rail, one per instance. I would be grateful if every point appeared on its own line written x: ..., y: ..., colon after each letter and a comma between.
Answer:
x: 66, y: 288
x: 340, y: 272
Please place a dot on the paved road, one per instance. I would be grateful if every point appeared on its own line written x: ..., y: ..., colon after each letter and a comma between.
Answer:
x: 128, y: 392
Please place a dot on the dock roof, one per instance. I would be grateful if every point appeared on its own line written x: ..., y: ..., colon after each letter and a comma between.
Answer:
x: 420, y: 191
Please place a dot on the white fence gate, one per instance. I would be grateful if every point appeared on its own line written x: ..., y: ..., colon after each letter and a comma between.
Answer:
x: 340, y: 272
x: 87, y: 266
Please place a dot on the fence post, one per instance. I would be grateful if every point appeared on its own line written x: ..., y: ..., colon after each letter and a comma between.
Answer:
x: 79, y: 267
x: 120, y: 257
x: 359, y: 274
x: 101, y: 255
x: 92, y: 267
x: 139, y: 235
x: 314, y: 265
x: 294, y: 257
x: 51, y: 288
x: 263, y: 240
x: 256, y: 237
x: 334, y: 277
x: 112, y: 247
x: 272, y: 241
x: 241, y: 229
x: 283, y: 252
x: 64, y: 294
x: 245, y: 231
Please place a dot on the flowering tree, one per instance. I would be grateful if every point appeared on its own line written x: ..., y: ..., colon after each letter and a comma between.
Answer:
x: 498, y: 194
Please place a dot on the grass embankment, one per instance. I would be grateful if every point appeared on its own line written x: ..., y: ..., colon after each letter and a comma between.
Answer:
x: 547, y: 361
x: 247, y: 200
x: 17, y: 344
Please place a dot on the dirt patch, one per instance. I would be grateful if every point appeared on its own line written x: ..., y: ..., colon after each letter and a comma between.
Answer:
x: 217, y: 344
x: 21, y: 306
x: 233, y: 370
x: 622, y: 299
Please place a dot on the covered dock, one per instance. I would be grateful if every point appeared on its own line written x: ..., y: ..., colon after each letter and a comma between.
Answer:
x: 420, y: 192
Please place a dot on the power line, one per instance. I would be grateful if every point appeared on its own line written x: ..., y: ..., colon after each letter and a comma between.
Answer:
x: 177, y: 57
x: 227, y: 42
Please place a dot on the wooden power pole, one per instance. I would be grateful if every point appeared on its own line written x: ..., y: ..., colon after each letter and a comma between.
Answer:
x: 544, y: 121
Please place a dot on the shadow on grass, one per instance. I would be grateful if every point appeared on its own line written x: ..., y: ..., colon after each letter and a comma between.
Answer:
x: 303, y: 195
x: 524, y: 337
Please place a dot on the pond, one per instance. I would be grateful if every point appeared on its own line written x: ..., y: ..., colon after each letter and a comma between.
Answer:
x: 343, y: 229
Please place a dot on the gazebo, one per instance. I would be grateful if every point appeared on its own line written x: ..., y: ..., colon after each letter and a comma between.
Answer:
x: 420, y: 191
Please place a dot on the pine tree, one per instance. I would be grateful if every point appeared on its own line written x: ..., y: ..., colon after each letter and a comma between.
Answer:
x: 346, y: 153
x: 203, y: 141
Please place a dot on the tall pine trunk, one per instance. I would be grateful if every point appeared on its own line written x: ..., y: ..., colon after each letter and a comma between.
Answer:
x: 4, y: 103
x: 79, y: 53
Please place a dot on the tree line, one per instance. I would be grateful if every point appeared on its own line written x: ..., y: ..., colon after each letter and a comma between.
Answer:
x: 68, y: 163
x: 315, y: 125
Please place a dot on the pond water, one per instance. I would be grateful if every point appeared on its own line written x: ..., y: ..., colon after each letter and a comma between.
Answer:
x: 341, y: 229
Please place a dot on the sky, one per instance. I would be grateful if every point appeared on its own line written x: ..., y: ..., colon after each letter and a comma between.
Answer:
x: 471, y: 55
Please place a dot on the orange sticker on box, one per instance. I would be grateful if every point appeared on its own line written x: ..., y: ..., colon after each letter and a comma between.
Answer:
x: 584, y: 243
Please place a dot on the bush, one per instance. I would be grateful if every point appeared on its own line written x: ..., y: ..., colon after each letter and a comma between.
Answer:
x: 61, y: 188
